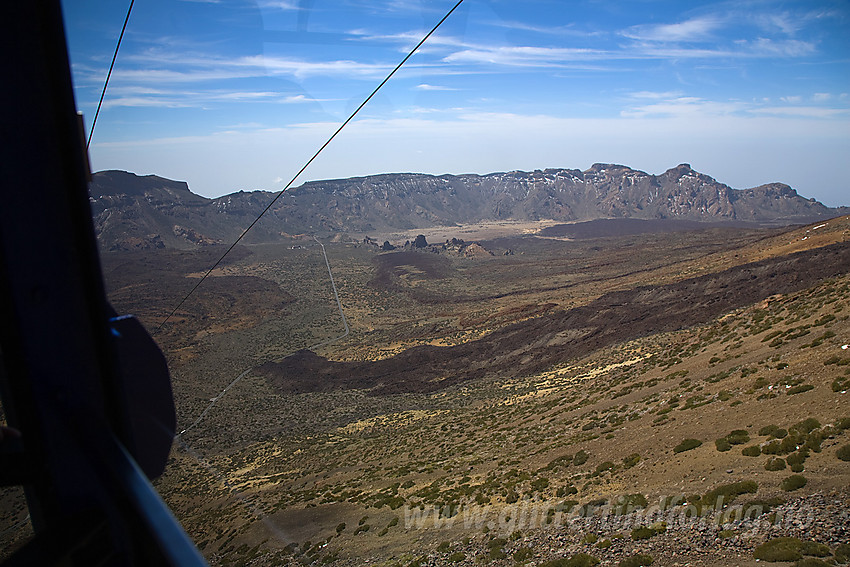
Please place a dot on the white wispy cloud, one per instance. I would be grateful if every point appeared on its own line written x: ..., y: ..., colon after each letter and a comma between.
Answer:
x: 524, y: 56
x: 171, y: 68
x: 783, y: 22
x: 427, y: 87
x: 300, y: 68
x: 148, y: 102
x: 655, y: 95
x: 693, y: 30
x: 565, y: 30
x: 685, y: 106
x: 803, y: 111
x: 278, y: 5
x: 141, y: 96
x: 768, y: 47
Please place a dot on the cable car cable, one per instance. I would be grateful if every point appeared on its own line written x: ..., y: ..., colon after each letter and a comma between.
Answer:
x: 109, y: 74
x: 306, y: 165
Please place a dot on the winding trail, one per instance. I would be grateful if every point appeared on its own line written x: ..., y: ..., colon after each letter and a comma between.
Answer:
x: 312, y: 347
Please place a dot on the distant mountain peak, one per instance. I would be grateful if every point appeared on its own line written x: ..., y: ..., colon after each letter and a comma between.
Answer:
x: 118, y: 182
x: 133, y: 211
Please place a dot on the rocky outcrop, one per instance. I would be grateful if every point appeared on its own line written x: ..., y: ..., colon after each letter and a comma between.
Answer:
x: 125, y: 205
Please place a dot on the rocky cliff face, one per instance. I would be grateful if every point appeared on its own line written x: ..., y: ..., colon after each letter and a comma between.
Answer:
x: 138, y: 212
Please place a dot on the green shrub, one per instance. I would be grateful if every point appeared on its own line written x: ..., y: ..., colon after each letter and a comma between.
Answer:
x: 779, y: 549
x: 722, y: 444
x: 738, y: 437
x: 522, y: 554
x: 768, y: 430
x: 644, y: 532
x: 631, y: 460
x: 580, y: 458
x: 659, y: 527
x: 798, y: 457
x: 636, y: 561
x: 495, y: 546
x: 729, y: 492
x: 340, y: 527
x: 806, y: 426
x: 589, y: 538
x: 765, y: 504
x: 843, y: 453
x: 751, y: 451
x: 793, y: 482
x: 789, y: 444
x: 456, y: 557
x: 497, y: 542
x: 579, y: 560
x: 780, y: 433
x: 687, y: 445
x: 443, y: 547
x: 842, y: 552
x: 774, y: 464
x: 814, y: 548
x: 604, y: 544
x: 800, y: 389
x: 634, y: 501
x: 811, y: 562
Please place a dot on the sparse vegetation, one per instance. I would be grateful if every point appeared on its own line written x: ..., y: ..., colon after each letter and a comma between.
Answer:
x: 806, y: 426
x: 646, y: 532
x: 751, y: 451
x: 580, y: 458
x: 727, y: 493
x: 640, y: 560
x: 793, y: 482
x: 687, y: 445
x: 524, y: 438
x: 522, y: 554
x: 738, y: 437
x: 779, y: 549
x: 811, y: 562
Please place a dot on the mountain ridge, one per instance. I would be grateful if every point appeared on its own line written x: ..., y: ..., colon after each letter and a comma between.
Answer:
x: 133, y: 211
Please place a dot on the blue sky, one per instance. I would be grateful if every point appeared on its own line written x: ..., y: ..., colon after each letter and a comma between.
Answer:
x: 237, y: 94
